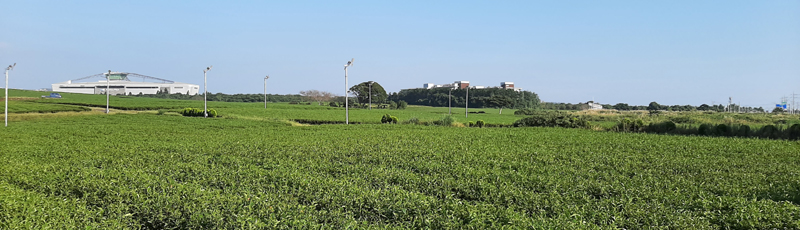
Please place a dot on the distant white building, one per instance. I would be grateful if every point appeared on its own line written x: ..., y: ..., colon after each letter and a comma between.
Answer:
x: 594, y: 106
x: 119, y: 83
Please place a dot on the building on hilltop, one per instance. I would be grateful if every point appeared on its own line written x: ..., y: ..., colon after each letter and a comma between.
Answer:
x: 465, y: 84
x: 120, y: 83
x: 507, y: 85
x: 462, y: 84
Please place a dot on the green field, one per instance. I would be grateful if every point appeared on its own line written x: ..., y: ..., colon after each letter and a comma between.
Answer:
x: 279, y: 111
x: 251, y: 169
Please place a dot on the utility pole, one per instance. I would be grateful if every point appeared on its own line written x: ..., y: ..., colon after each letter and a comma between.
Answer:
x: 205, y: 91
x: 449, y: 101
x: 10, y: 67
x: 794, y: 106
x: 370, y: 94
x: 730, y: 99
x: 265, y: 91
x: 346, y: 103
x: 466, y: 108
x: 108, y: 87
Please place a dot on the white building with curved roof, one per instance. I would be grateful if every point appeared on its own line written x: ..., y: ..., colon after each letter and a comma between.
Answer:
x: 121, y: 83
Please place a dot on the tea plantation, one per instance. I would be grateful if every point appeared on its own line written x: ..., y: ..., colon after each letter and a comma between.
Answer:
x: 147, y: 171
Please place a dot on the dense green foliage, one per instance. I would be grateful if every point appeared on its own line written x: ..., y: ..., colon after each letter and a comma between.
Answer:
x: 389, y: 119
x: 721, y: 130
x: 552, y: 119
x: 478, y: 98
x: 363, y: 89
x: 195, y: 112
x: 162, y: 172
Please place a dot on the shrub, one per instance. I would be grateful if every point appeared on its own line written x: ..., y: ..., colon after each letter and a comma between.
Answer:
x: 768, y: 131
x: 386, y: 118
x: 445, y: 121
x: 392, y: 105
x: 394, y: 119
x: 629, y: 125
x: 333, y: 104
x: 161, y: 112
x: 794, y: 131
x: 704, y: 129
x: 480, y: 123
x: 412, y: 120
x: 553, y: 119
x: 741, y: 130
x: 662, y: 127
x: 722, y: 130
x: 470, y: 124
x: 402, y: 104
x: 193, y: 112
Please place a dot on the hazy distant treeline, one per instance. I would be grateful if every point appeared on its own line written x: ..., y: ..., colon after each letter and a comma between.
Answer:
x: 651, y: 106
x: 230, y: 97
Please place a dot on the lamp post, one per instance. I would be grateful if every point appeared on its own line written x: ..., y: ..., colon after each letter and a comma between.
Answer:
x: 205, y: 91
x: 449, y: 101
x: 370, y: 94
x: 108, y: 87
x: 346, y: 105
x: 10, y: 67
x: 265, y: 91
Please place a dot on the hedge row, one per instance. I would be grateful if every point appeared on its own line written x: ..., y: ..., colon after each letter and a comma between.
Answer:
x: 719, y: 130
x: 194, y: 112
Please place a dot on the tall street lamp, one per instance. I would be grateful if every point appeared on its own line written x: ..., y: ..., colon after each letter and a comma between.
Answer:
x: 346, y: 105
x: 10, y: 67
x: 449, y: 101
x: 466, y: 108
x: 108, y: 87
x: 205, y: 92
x: 370, y: 94
x: 265, y: 91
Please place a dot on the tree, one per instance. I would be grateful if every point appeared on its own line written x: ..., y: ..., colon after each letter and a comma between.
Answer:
x: 622, y: 106
x: 777, y: 110
x: 362, y: 91
x: 500, y: 102
x: 654, y: 106
x: 318, y: 96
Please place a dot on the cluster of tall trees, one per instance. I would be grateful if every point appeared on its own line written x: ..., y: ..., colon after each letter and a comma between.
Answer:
x: 478, y: 98
x: 363, y: 90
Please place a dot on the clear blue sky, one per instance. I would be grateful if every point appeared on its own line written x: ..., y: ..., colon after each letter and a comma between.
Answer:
x: 672, y: 52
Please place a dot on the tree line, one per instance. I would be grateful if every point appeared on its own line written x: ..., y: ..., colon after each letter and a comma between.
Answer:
x: 230, y: 97
x: 478, y: 98
x: 652, y: 106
